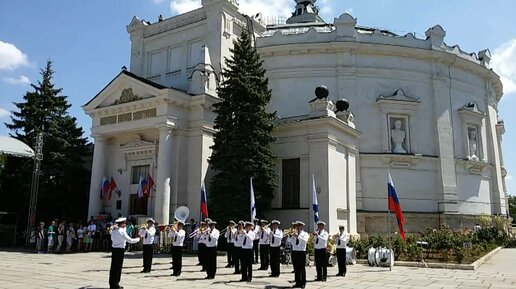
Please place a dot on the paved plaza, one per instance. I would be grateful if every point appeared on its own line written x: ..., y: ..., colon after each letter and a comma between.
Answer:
x: 28, y: 270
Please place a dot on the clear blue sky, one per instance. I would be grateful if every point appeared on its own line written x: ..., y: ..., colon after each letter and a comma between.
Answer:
x: 88, y: 42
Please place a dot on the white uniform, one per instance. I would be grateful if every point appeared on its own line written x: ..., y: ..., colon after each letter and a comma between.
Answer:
x: 230, y: 235
x: 178, y: 237
x: 148, y: 235
x: 264, y: 236
x: 342, y: 240
x: 212, y: 239
x: 119, y: 238
x: 238, y: 240
x: 247, y: 240
x: 299, y: 242
x: 256, y: 232
x: 275, y: 237
x: 321, y: 239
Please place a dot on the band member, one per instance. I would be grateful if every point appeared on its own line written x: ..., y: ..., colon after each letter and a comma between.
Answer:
x: 256, y: 242
x: 248, y: 237
x: 177, y: 234
x: 238, y: 240
x: 321, y: 254
x: 298, y: 241
x: 229, y: 235
x: 148, y: 233
x: 275, y: 237
x: 211, y: 250
x: 119, y: 238
x: 341, y: 241
x: 264, y: 245
x: 201, y: 245
x: 288, y: 243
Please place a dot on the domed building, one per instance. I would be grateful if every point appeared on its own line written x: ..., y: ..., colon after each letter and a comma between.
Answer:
x: 418, y: 108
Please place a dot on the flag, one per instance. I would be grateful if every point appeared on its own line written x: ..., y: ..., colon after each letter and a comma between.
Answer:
x: 114, y: 187
x: 315, y: 203
x: 148, y: 188
x: 104, y: 187
x: 204, y: 202
x: 140, y: 190
x: 394, y: 205
x: 253, y: 204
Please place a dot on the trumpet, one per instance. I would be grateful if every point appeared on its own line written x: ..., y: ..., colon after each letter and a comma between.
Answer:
x: 290, y: 232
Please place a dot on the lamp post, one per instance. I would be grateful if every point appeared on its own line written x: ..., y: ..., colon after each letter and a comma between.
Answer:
x: 33, y: 201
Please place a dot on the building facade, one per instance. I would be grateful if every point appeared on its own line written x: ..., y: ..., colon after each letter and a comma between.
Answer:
x: 425, y: 111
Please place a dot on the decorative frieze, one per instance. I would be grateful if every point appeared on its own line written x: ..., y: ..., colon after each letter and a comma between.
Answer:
x: 130, y: 116
x: 174, y: 22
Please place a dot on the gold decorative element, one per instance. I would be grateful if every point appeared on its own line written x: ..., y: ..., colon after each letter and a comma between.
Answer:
x: 127, y: 96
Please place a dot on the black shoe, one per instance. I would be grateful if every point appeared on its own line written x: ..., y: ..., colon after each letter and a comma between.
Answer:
x: 317, y: 280
x: 237, y: 272
x: 296, y: 286
x: 323, y: 279
x: 198, y: 264
x: 203, y: 270
x: 228, y: 266
x: 171, y: 267
x: 249, y: 280
x: 242, y: 280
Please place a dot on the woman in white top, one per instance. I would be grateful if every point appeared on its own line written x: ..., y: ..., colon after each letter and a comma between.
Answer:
x: 90, y: 232
x: 70, y: 237
x: 60, y: 237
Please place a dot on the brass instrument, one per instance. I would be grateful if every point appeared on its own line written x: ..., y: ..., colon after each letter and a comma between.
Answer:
x: 290, y: 232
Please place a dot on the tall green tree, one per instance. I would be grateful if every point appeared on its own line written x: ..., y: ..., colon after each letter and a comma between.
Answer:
x: 512, y: 208
x: 64, y: 179
x: 243, y: 142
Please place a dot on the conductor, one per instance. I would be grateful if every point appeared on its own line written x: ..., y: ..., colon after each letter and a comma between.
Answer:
x: 119, y: 238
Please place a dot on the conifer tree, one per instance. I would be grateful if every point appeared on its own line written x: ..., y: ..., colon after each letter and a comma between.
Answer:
x: 243, y: 142
x: 64, y: 179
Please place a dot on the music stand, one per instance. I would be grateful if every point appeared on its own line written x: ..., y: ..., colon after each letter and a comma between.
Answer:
x: 422, y: 243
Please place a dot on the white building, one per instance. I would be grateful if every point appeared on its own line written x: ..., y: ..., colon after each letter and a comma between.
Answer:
x: 422, y: 109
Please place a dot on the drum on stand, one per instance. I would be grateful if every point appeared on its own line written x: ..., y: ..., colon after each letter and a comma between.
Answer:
x: 371, y: 257
x: 351, y: 256
x: 384, y: 257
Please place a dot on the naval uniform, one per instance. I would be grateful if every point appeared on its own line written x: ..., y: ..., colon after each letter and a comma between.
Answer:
x: 342, y: 241
x: 256, y: 242
x: 118, y: 239
x: 176, y: 248
x: 299, y: 258
x: 321, y: 254
x: 148, y: 235
x: 264, y: 248
x: 238, y: 240
x: 201, y: 249
x: 247, y: 255
x: 229, y: 235
x: 211, y: 253
x: 275, y: 238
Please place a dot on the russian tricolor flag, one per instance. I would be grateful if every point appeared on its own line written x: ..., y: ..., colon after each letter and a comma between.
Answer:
x: 394, y: 205
x: 204, y: 202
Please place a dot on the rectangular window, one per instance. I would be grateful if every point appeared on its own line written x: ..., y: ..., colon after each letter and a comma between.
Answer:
x: 138, y: 205
x: 156, y: 63
x: 195, y: 52
x: 139, y: 171
x: 174, y: 59
x: 290, y: 183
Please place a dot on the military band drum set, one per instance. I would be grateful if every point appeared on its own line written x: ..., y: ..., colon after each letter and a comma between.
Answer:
x: 276, y: 246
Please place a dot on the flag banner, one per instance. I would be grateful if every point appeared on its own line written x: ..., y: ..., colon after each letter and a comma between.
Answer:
x: 253, y: 204
x: 149, y: 186
x: 114, y: 187
x: 204, y: 202
x: 104, y: 187
x: 315, y: 203
x: 140, y: 190
x: 394, y: 205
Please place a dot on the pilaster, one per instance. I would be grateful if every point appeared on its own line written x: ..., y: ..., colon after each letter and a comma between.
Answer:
x: 98, y: 171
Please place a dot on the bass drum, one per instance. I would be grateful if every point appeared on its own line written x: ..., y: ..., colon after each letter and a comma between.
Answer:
x: 371, y: 256
x: 332, y: 261
x: 351, y: 256
x: 384, y: 257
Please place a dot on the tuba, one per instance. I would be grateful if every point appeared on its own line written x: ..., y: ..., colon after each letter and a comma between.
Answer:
x: 180, y: 214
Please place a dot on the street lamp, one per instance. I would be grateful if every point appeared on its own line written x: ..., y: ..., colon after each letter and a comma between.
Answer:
x: 38, y: 157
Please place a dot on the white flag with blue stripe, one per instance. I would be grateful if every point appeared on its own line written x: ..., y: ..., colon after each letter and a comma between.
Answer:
x: 315, y: 203
x: 253, y: 204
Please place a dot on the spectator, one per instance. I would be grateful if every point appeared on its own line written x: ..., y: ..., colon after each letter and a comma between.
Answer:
x: 156, y: 243
x: 61, y: 231
x: 70, y: 238
x: 90, y: 234
x: 130, y: 232
x: 80, y: 236
x: 51, y: 237
x: 40, y: 237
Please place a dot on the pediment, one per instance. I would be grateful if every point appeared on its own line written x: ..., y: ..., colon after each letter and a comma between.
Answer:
x: 399, y: 95
x: 124, y: 88
x: 138, y: 145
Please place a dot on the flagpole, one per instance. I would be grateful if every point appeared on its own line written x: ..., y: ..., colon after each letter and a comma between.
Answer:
x: 389, y: 225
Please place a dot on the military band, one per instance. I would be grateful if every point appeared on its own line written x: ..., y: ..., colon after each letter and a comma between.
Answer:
x: 242, y: 239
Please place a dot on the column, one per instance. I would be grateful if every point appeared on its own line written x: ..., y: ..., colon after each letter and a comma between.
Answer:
x: 98, y: 171
x: 162, y: 201
x: 351, y: 176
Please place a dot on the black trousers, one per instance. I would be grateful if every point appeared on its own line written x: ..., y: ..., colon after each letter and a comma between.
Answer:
x: 256, y: 244
x: 211, y: 261
x: 341, y: 259
x: 299, y: 262
x: 321, y: 263
x: 275, y: 261
x: 264, y: 256
x: 247, y: 264
x: 236, y: 258
x: 147, y: 257
x: 201, y: 251
x: 177, y: 259
x: 231, y: 247
x: 117, y: 261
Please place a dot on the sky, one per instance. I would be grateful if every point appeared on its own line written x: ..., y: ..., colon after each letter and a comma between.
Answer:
x: 88, y: 41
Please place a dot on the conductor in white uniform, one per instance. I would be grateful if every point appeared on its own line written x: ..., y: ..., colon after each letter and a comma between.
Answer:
x: 119, y: 238
x: 148, y: 233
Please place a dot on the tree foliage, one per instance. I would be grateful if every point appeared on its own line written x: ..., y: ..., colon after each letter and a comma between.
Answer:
x: 64, y: 178
x: 512, y: 208
x: 243, y: 142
